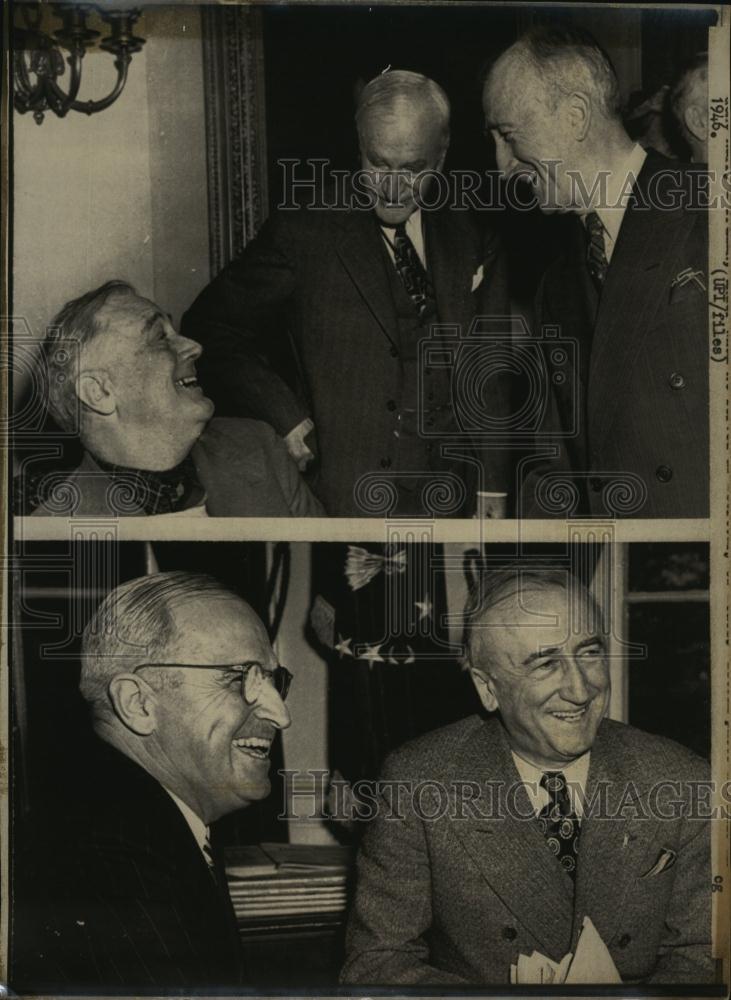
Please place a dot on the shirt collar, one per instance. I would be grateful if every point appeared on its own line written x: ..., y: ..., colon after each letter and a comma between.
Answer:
x: 197, y: 827
x: 575, y: 773
x: 619, y: 191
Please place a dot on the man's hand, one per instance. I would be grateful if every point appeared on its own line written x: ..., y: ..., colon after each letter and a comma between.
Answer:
x: 296, y: 446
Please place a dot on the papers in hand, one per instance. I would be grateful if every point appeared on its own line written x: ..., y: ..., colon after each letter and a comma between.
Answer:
x: 590, y: 963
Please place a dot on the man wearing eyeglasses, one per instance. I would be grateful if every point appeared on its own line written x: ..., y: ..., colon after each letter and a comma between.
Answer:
x: 357, y: 279
x: 186, y: 697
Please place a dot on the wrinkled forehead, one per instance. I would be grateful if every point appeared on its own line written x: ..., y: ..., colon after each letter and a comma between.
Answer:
x: 217, y: 628
x: 402, y: 121
x: 533, y: 618
x: 508, y: 87
x: 125, y: 316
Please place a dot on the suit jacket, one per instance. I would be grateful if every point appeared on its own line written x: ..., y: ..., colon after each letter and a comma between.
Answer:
x: 243, y: 466
x: 631, y: 427
x: 455, y: 899
x: 322, y: 277
x: 115, y: 895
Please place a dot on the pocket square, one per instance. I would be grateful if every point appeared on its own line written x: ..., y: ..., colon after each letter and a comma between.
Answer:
x: 666, y: 859
x: 477, y: 277
x: 687, y: 275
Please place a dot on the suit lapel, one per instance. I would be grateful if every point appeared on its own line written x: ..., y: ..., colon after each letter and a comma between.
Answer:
x: 452, y: 261
x: 361, y: 253
x: 510, y: 852
x: 608, y: 847
x: 637, y: 279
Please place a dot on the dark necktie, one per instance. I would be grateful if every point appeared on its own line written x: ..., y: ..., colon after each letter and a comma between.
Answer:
x: 559, y: 825
x: 596, y: 253
x: 411, y: 271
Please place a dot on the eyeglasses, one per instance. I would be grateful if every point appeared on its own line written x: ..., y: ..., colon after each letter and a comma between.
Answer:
x: 253, y: 676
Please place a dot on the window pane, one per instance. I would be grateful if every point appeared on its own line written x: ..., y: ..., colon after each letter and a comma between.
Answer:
x: 662, y: 566
x: 669, y: 692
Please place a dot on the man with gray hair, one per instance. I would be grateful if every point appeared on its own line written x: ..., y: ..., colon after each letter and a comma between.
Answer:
x: 628, y: 428
x: 186, y: 697
x: 360, y: 284
x: 689, y: 102
x: 500, y: 842
x: 120, y: 376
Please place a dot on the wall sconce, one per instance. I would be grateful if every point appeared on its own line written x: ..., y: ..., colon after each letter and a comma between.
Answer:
x: 38, y: 62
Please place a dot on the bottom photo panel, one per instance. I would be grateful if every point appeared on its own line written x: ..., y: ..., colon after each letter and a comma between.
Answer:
x: 255, y: 766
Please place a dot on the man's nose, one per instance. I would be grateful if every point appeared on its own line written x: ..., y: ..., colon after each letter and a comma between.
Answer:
x: 186, y: 348
x: 574, y: 687
x: 504, y: 157
x: 271, y: 708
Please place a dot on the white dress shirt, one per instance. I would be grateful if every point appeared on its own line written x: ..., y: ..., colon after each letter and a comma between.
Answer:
x: 413, y: 231
x: 197, y: 827
x: 575, y: 774
x: 619, y: 189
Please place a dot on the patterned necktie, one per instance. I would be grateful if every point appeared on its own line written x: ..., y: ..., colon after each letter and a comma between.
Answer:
x: 411, y: 271
x: 596, y: 253
x: 208, y: 855
x: 559, y: 825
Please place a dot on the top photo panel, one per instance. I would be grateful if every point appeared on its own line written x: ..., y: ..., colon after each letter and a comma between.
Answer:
x: 367, y: 261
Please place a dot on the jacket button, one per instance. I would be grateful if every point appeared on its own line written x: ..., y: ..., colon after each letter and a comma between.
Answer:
x: 391, y: 405
x: 596, y: 484
x: 385, y: 463
x: 624, y: 940
x: 509, y: 933
x: 664, y: 473
x: 677, y: 381
x: 394, y: 351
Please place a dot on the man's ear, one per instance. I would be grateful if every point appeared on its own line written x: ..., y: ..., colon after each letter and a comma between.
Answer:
x: 95, y: 391
x: 579, y: 114
x: 485, y: 689
x: 696, y: 121
x: 134, y: 703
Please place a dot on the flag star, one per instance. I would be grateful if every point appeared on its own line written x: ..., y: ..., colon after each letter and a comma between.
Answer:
x: 372, y: 654
x: 343, y: 646
x: 424, y: 607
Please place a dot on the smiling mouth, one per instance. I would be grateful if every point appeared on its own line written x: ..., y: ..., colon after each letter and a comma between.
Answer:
x: 188, y: 382
x: 571, y: 716
x: 254, y: 746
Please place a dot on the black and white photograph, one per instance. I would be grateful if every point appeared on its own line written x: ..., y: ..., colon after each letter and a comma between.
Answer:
x: 276, y: 765
x: 364, y: 261
x: 364, y: 551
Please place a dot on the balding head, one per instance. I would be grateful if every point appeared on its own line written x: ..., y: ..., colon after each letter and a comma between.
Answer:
x: 551, y: 103
x: 403, y: 132
x: 536, y: 653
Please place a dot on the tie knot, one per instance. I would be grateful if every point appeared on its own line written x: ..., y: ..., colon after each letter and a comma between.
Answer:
x: 555, y: 784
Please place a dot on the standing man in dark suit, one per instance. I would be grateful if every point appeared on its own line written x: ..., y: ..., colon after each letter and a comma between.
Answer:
x: 122, y: 891
x: 628, y: 433
x: 497, y: 838
x: 358, y: 285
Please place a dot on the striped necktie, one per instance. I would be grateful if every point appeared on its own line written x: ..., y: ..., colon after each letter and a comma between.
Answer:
x: 559, y: 824
x: 411, y: 271
x: 596, y: 253
x: 210, y: 860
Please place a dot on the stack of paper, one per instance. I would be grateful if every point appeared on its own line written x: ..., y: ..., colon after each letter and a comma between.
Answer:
x: 591, y: 963
x: 274, y: 883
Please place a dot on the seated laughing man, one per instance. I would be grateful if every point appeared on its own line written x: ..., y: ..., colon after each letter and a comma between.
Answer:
x: 120, y: 376
x: 549, y: 815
